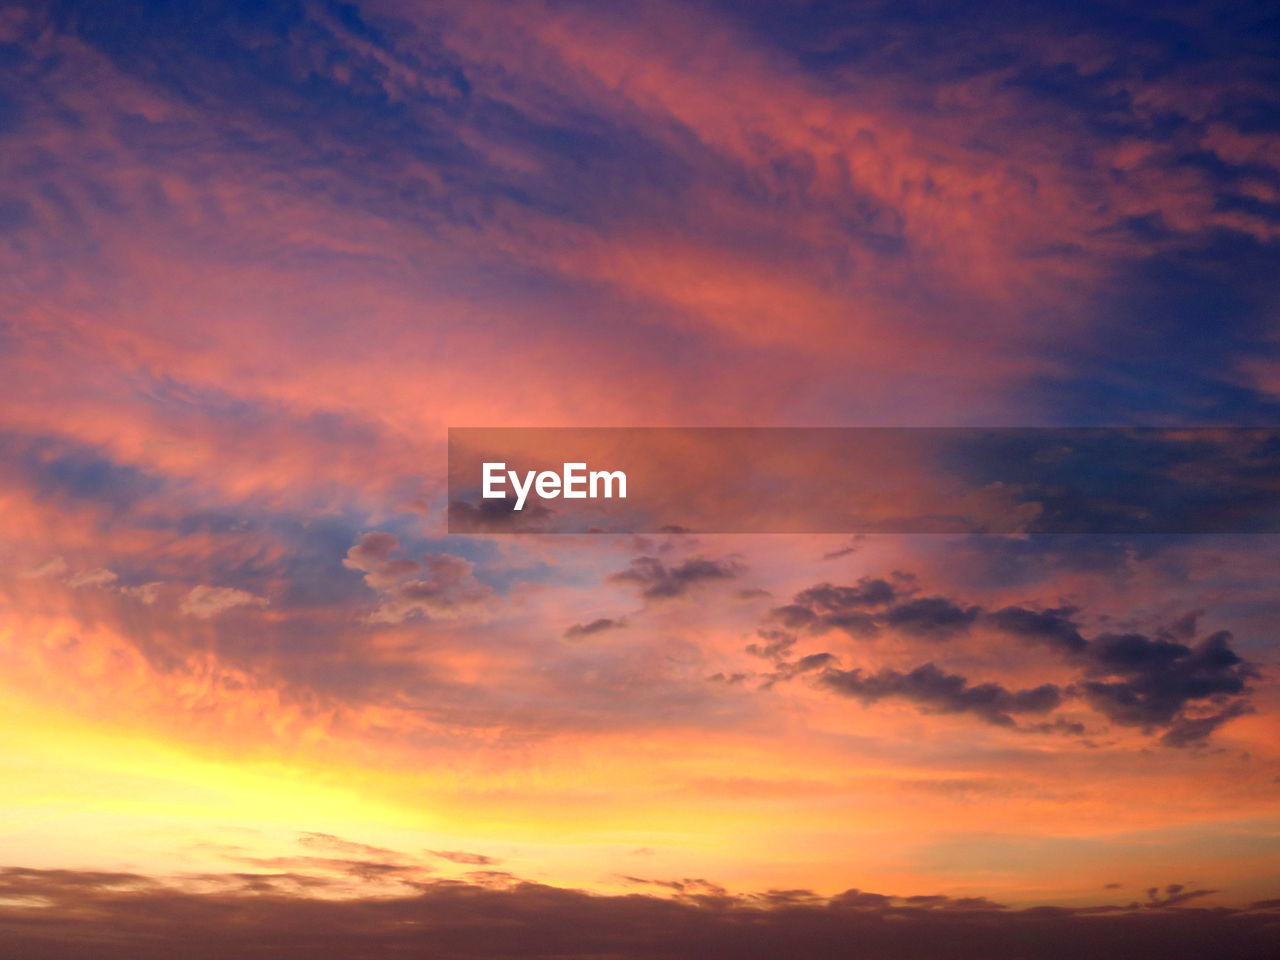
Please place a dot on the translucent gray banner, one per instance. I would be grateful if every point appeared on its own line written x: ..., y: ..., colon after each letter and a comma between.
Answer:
x: 864, y: 480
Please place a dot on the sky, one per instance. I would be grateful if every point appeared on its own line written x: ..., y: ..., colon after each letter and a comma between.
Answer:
x: 258, y: 258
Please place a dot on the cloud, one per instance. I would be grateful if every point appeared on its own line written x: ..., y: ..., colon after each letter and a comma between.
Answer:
x: 871, y: 604
x: 372, y: 552
x: 1174, y: 894
x: 827, y: 607
x: 658, y: 581
x: 312, y: 871
x: 1191, y: 731
x: 146, y: 593
x: 868, y: 592
x: 334, y: 861
x: 1053, y: 627
x: 855, y: 543
x: 1155, y: 683
x: 438, y: 586
x: 66, y: 914
x: 497, y: 515
x: 935, y: 618
x: 327, y: 841
x: 50, y: 568
x: 938, y: 692
x: 204, y: 601
x: 776, y: 645
x: 101, y: 577
x: 461, y: 856
x: 579, y: 630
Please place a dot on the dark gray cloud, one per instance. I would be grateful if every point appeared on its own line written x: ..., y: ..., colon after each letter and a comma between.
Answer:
x: 72, y: 915
x: 660, y: 581
x: 1193, y: 731
x: 1174, y: 894
x: 936, y: 691
x: 1053, y: 627
x: 862, y: 609
x: 935, y: 618
x: 1163, y: 683
x: 1151, y: 682
x: 579, y: 630
x: 867, y: 592
x: 1155, y: 683
x: 774, y: 645
x: 848, y: 608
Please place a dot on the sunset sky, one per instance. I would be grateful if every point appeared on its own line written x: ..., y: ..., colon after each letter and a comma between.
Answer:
x: 258, y: 258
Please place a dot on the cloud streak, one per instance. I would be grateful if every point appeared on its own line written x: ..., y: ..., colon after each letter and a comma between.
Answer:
x: 53, y: 914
